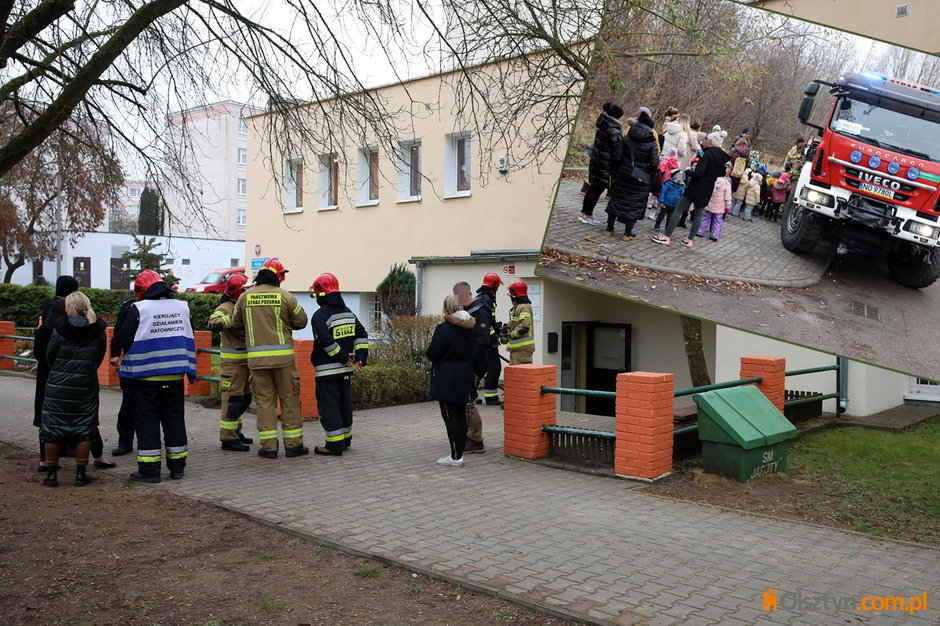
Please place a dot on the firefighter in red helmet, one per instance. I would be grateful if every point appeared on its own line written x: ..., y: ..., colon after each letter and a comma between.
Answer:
x: 233, y: 371
x: 340, y: 347
x: 156, y: 339
x: 521, y: 337
x: 268, y: 314
x: 486, y: 362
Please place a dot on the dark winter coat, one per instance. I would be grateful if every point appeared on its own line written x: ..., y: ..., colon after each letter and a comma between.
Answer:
x: 709, y: 168
x: 70, y: 408
x: 52, y: 310
x: 450, y: 353
x: 486, y: 330
x: 627, y: 199
x: 607, y: 137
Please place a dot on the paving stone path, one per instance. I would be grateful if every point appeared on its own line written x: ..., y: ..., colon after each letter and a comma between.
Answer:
x: 746, y: 251
x: 589, y: 545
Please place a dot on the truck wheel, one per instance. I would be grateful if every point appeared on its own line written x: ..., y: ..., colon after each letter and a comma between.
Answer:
x: 914, y: 270
x: 800, y: 229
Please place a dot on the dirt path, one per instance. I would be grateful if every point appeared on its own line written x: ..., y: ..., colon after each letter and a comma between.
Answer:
x: 119, y: 553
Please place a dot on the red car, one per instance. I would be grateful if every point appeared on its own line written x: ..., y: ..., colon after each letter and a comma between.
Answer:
x: 214, y: 281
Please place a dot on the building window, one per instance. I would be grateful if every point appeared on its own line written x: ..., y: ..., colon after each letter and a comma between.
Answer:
x: 457, y: 165
x: 234, y: 263
x: 294, y: 185
x: 329, y: 181
x: 367, y: 182
x: 240, y: 219
x: 242, y: 126
x: 134, y: 192
x: 242, y: 186
x: 376, y: 312
x: 242, y: 156
x: 185, y: 261
x: 409, y: 174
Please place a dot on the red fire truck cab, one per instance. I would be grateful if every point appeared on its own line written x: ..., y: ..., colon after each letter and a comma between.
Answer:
x: 872, y: 176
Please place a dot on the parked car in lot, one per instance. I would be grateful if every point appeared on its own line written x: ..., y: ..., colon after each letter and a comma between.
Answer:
x: 214, y: 281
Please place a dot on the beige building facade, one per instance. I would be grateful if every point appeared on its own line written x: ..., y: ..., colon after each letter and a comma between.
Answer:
x: 909, y: 23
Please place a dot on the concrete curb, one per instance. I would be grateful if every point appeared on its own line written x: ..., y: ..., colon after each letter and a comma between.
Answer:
x: 535, y: 605
x: 672, y: 270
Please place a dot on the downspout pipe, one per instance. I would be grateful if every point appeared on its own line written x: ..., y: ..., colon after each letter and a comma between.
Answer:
x: 419, y: 287
x: 842, y: 385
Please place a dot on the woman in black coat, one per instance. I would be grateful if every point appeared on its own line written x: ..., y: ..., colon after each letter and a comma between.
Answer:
x: 606, y: 151
x: 628, y: 195
x: 70, y: 407
x: 452, y: 377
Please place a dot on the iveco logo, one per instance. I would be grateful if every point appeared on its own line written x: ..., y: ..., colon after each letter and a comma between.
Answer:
x: 879, y: 180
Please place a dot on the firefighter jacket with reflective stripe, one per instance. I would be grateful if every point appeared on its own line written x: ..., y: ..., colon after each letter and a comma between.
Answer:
x: 337, y: 333
x: 232, y: 344
x: 521, y: 335
x: 269, y: 315
x: 163, y: 346
x: 485, y: 332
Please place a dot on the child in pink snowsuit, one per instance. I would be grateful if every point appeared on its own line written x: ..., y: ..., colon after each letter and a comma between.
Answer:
x: 718, y: 205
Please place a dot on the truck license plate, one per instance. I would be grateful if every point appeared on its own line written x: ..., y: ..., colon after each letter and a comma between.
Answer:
x: 880, y: 191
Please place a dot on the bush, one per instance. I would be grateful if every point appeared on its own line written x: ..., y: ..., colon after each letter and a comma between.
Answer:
x: 23, y: 305
x: 399, y: 372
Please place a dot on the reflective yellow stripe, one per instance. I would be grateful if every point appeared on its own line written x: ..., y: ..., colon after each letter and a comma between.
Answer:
x: 337, y: 437
x: 492, y: 331
x: 334, y: 351
x: 491, y: 394
x: 519, y: 344
x: 250, y: 327
x: 297, y: 309
x: 280, y: 325
x: 148, y: 459
x: 267, y: 434
x: 347, y: 435
x: 225, y: 425
x: 163, y: 377
x: 361, y: 346
x: 253, y: 354
x: 176, y: 455
x: 234, y: 356
x: 294, y: 432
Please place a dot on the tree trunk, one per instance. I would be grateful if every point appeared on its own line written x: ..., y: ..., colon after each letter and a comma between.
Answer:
x: 11, y: 269
x: 695, y: 350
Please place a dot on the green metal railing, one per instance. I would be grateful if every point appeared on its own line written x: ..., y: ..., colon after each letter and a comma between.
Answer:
x: 822, y: 396
x: 727, y: 385
x: 21, y: 359
x: 588, y: 393
x: 211, y: 379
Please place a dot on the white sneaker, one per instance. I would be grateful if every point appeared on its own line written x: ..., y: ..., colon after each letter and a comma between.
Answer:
x: 585, y: 219
x: 446, y: 460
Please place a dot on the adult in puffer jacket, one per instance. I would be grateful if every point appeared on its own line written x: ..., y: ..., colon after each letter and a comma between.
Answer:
x: 677, y: 137
x: 452, y: 375
x: 70, y: 406
x: 607, y: 136
x: 628, y: 195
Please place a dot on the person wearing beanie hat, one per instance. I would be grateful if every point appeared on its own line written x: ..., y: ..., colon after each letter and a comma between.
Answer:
x: 606, y: 151
x: 64, y: 285
x: 752, y: 194
x: 778, y: 195
x: 718, y: 205
x: 717, y: 137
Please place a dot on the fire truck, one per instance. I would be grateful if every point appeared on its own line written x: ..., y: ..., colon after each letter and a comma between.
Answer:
x: 871, y: 177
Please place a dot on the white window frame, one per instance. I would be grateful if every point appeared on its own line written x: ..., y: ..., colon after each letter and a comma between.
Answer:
x: 242, y: 156
x: 452, y: 165
x: 364, y: 178
x: 135, y: 192
x: 241, y: 217
x: 293, y: 198
x: 241, y: 186
x: 406, y: 175
x: 242, y: 126
x: 328, y: 182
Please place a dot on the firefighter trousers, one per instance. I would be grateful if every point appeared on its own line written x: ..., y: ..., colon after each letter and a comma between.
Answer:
x: 491, y: 380
x: 125, y: 419
x: 236, y: 398
x: 521, y: 356
x: 159, y: 404
x: 334, y: 401
x: 268, y: 386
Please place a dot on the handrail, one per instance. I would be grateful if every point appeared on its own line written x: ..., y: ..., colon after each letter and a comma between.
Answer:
x: 211, y: 379
x: 18, y: 337
x: 727, y: 385
x: 590, y: 393
x: 209, y: 350
x: 24, y: 359
x: 816, y: 398
x: 812, y: 370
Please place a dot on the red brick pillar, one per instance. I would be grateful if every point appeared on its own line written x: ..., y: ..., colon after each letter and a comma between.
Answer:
x: 7, y: 346
x: 203, y: 364
x: 526, y: 408
x: 772, y: 371
x: 107, y: 373
x: 644, y: 425
x: 303, y: 348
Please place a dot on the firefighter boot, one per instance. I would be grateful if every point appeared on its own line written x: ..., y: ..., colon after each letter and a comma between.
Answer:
x: 235, y: 445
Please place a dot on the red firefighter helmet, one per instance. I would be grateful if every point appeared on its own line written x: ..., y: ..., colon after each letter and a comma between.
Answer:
x: 325, y: 283
x: 492, y: 281
x: 235, y: 285
x: 143, y: 282
x: 274, y: 265
x: 518, y: 288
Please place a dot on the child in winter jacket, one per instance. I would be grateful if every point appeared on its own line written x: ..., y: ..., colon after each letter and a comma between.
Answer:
x: 737, y: 197
x: 717, y: 206
x: 669, y: 197
x: 751, y: 195
x: 778, y: 195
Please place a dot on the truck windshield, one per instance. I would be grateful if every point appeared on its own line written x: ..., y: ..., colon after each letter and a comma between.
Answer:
x: 905, y: 128
x: 212, y: 278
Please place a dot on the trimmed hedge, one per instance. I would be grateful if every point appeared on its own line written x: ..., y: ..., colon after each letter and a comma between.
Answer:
x: 390, y: 384
x: 23, y: 304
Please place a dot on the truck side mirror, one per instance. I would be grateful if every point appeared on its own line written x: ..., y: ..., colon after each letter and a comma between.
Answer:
x: 811, y: 89
x: 806, y: 108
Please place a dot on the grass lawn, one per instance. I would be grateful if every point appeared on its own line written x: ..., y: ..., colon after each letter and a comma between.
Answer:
x: 885, y: 483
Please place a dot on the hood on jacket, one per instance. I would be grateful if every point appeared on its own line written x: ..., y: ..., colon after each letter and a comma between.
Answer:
x: 605, y: 122
x: 640, y: 133
x: 674, y: 127
x: 158, y: 290
x: 78, y: 330
x: 461, y: 319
